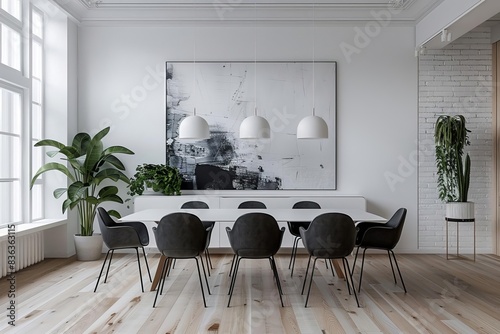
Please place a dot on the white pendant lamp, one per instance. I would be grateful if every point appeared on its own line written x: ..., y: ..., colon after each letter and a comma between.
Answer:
x: 255, y: 127
x: 194, y: 128
x: 312, y: 127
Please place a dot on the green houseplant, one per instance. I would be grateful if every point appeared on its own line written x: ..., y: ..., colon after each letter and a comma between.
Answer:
x: 158, y: 177
x: 89, y: 165
x: 451, y: 136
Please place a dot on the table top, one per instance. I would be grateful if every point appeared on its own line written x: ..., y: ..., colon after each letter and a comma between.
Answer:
x: 230, y: 215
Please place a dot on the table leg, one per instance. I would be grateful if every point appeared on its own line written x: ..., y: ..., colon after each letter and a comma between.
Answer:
x: 159, y: 270
x: 338, y: 269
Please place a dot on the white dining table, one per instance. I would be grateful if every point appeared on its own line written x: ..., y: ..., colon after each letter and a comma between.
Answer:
x: 231, y: 215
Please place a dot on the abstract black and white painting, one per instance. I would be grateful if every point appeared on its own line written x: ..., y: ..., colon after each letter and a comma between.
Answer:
x: 225, y: 93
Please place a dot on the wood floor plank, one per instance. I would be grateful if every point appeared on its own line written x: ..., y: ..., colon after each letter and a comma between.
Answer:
x: 458, y: 296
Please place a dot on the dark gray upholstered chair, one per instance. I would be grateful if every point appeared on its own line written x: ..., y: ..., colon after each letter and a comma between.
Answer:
x: 121, y: 236
x: 381, y: 236
x: 252, y: 205
x: 209, y: 226
x: 293, y: 227
x: 180, y: 235
x: 247, y: 205
x: 329, y: 236
x: 255, y: 235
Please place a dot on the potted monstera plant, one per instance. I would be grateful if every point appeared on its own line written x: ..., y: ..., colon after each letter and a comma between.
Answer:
x: 453, y: 170
x: 91, y: 170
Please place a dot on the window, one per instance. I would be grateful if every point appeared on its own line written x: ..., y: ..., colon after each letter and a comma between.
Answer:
x: 21, y: 112
x: 10, y: 148
x: 13, y: 7
x: 36, y: 109
x: 10, y: 34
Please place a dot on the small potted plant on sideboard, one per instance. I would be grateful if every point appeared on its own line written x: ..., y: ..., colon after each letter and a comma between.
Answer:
x: 159, y: 178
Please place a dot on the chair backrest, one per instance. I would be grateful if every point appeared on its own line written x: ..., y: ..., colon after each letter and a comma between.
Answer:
x: 180, y: 234
x: 306, y: 205
x: 330, y: 235
x: 105, y: 222
x: 195, y: 205
x: 252, y: 205
x: 255, y: 234
x: 397, y: 221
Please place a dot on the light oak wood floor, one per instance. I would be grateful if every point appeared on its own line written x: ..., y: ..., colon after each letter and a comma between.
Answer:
x: 456, y: 296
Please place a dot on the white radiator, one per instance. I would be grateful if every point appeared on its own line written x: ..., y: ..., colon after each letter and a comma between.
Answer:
x: 29, y: 250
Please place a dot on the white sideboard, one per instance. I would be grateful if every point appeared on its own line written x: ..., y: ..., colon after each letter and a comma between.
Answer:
x: 231, y: 199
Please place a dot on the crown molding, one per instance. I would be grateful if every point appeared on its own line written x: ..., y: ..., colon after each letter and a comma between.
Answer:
x: 126, y: 12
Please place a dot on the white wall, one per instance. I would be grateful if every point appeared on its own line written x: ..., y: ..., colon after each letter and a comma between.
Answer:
x: 377, y: 96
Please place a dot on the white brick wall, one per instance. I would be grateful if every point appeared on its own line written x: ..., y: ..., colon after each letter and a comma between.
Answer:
x: 457, y: 80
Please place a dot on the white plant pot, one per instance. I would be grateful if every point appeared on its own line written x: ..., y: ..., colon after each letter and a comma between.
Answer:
x: 88, y: 248
x: 460, y: 210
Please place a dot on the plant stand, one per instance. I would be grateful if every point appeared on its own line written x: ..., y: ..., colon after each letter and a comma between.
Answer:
x: 458, y: 221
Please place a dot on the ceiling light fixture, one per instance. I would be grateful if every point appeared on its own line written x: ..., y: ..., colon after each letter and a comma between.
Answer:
x: 313, y: 127
x: 255, y: 127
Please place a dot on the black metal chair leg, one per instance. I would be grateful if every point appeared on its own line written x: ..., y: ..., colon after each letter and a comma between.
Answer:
x: 205, y: 274
x: 100, y: 273
x: 326, y: 264
x: 166, y: 265
x: 139, y: 264
x: 331, y: 267
x: 361, y: 273
x: 162, y: 279
x: 232, y: 264
x: 348, y: 273
x: 355, y: 258
x: 278, y: 283
x: 399, y: 271
x: 295, y: 256
x: 109, y: 264
x: 291, y: 256
x: 201, y: 282
x: 209, y: 258
x: 392, y: 268
x: 346, y: 263
x: 147, y: 266
x: 305, y: 276
x: 275, y: 273
x: 173, y: 266
x: 310, y: 282
x: 233, y: 280
x: 206, y: 260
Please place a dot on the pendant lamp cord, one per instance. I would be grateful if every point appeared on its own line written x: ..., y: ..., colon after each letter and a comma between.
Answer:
x: 314, y: 56
x: 194, y: 71
x: 255, y: 53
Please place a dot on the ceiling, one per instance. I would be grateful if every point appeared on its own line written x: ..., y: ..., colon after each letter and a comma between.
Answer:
x: 90, y: 12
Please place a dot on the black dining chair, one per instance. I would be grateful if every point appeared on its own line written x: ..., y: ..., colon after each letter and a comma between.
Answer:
x: 208, y: 225
x: 293, y: 228
x: 381, y: 236
x: 329, y: 236
x: 180, y: 235
x: 255, y: 235
x: 247, y: 205
x: 122, y: 236
x: 252, y: 205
